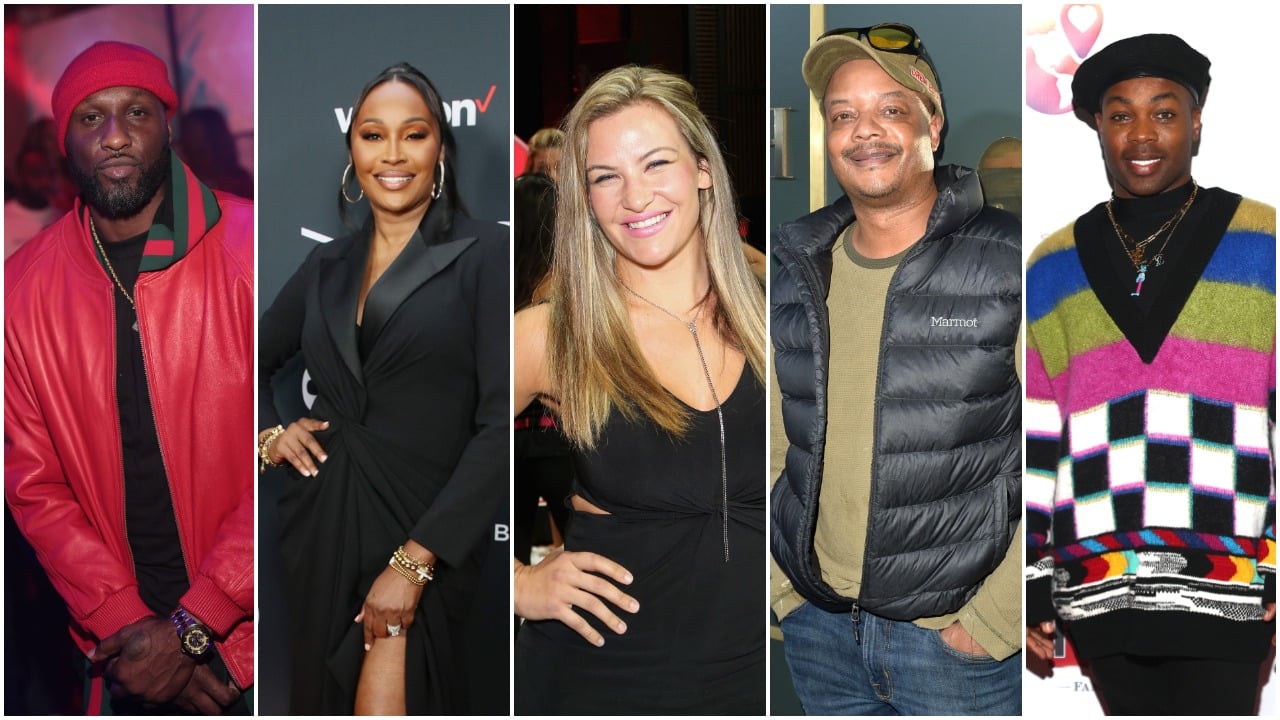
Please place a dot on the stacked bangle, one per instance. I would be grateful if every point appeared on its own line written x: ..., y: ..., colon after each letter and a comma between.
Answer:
x: 264, y: 448
x: 415, y: 571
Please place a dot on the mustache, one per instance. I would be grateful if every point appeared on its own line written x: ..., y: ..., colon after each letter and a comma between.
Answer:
x: 848, y: 153
x: 114, y: 157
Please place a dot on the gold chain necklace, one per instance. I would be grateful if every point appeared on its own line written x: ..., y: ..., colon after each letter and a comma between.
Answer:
x: 92, y: 231
x: 1137, y: 254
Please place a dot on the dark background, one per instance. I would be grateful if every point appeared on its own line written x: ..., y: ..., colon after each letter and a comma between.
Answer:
x: 560, y: 49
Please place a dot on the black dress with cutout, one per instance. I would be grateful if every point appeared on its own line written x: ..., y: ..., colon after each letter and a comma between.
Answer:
x: 696, y: 646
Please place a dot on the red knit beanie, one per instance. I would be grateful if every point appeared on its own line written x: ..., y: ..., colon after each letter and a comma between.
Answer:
x: 106, y: 65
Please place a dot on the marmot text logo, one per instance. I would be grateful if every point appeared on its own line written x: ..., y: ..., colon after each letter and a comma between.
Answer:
x: 952, y: 322
x: 459, y: 112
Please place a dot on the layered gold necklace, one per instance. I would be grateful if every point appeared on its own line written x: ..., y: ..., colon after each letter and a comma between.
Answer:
x: 1137, y: 249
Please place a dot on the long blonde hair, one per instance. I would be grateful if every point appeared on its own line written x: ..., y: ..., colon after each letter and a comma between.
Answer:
x: 594, y: 361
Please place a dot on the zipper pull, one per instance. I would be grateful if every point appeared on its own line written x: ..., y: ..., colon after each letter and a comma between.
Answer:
x: 856, y: 619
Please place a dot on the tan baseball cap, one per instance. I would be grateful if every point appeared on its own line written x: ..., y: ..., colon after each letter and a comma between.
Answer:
x: 909, y: 69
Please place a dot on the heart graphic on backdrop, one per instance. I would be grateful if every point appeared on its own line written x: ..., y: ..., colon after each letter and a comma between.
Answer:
x: 1081, y: 24
x: 1048, y: 82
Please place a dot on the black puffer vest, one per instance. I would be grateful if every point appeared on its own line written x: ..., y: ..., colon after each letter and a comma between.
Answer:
x: 946, y: 483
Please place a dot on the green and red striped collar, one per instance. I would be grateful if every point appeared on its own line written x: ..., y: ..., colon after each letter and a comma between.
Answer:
x: 189, y: 211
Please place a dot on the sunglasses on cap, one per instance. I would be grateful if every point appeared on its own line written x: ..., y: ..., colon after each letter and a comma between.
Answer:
x: 890, y: 37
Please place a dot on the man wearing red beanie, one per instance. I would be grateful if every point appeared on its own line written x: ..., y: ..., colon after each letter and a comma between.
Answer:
x: 128, y: 411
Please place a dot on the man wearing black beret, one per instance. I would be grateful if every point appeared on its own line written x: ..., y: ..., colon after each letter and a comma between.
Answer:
x: 1150, y: 485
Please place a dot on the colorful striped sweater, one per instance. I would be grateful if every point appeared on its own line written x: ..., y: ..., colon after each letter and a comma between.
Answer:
x: 1151, y: 485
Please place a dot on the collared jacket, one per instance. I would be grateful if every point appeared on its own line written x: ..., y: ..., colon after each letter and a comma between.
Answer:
x: 946, y: 466
x: 64, y: 468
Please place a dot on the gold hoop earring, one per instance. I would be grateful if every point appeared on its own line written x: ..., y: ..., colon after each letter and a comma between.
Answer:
x: 345, y: 196
x: 437, y: 187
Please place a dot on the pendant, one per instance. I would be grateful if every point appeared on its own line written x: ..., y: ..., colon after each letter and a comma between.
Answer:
x: 1142, y: 275
x: 1158, y: 260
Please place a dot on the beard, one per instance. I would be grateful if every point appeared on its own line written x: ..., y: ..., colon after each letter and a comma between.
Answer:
x: 118, y: 199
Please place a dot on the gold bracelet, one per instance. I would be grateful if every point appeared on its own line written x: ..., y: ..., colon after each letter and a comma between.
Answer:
x: 424, y: 569
x: 264, y: 448
x: 424, y: 572
x: 407, y: 574
x: 415, y: 571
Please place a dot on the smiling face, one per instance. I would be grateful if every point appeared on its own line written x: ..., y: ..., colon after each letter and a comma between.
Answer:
x: 395, y: 149
x: 1148, y: 128
x: 118, y: 150
x: 880, y: 135
x: 643, y: 181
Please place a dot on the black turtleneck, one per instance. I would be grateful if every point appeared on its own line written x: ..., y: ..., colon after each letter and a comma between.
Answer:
x: 1140, y: 217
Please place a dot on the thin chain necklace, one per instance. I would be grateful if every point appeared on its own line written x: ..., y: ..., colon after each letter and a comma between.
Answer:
x: 93, y: 230
x: 1137, y: 254
x: 692, y: 326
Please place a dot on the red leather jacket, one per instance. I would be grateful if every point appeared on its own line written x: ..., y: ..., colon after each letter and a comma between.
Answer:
x: 64, y: 470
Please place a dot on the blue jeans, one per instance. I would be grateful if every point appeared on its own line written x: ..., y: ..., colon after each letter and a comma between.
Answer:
x: 891, y: 668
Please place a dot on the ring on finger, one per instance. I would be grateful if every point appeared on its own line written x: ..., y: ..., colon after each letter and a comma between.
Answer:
x: 393, y: 630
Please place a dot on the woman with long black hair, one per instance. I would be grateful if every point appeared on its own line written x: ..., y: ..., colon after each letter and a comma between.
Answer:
x: 402, y: 462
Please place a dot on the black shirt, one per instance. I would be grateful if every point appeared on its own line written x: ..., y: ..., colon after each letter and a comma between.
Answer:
x: 1139, y: 217
x: 148, y: 506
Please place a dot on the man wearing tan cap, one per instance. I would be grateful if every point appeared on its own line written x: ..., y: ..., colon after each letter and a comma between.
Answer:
x: 895, y: 316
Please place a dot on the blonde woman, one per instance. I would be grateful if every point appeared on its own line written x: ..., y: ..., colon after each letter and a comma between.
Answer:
x: 651, y: 351
x: 544, y: 153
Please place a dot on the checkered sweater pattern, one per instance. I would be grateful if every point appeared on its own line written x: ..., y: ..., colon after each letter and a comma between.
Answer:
x: 1152, y: 486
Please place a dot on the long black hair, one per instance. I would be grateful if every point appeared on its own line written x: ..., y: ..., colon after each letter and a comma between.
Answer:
x: 412, y: 76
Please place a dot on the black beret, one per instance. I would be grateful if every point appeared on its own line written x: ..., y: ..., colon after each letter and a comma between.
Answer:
x: 1162, y: 56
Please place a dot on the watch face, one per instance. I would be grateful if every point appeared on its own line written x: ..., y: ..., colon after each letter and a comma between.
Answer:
x: 195, y: 641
